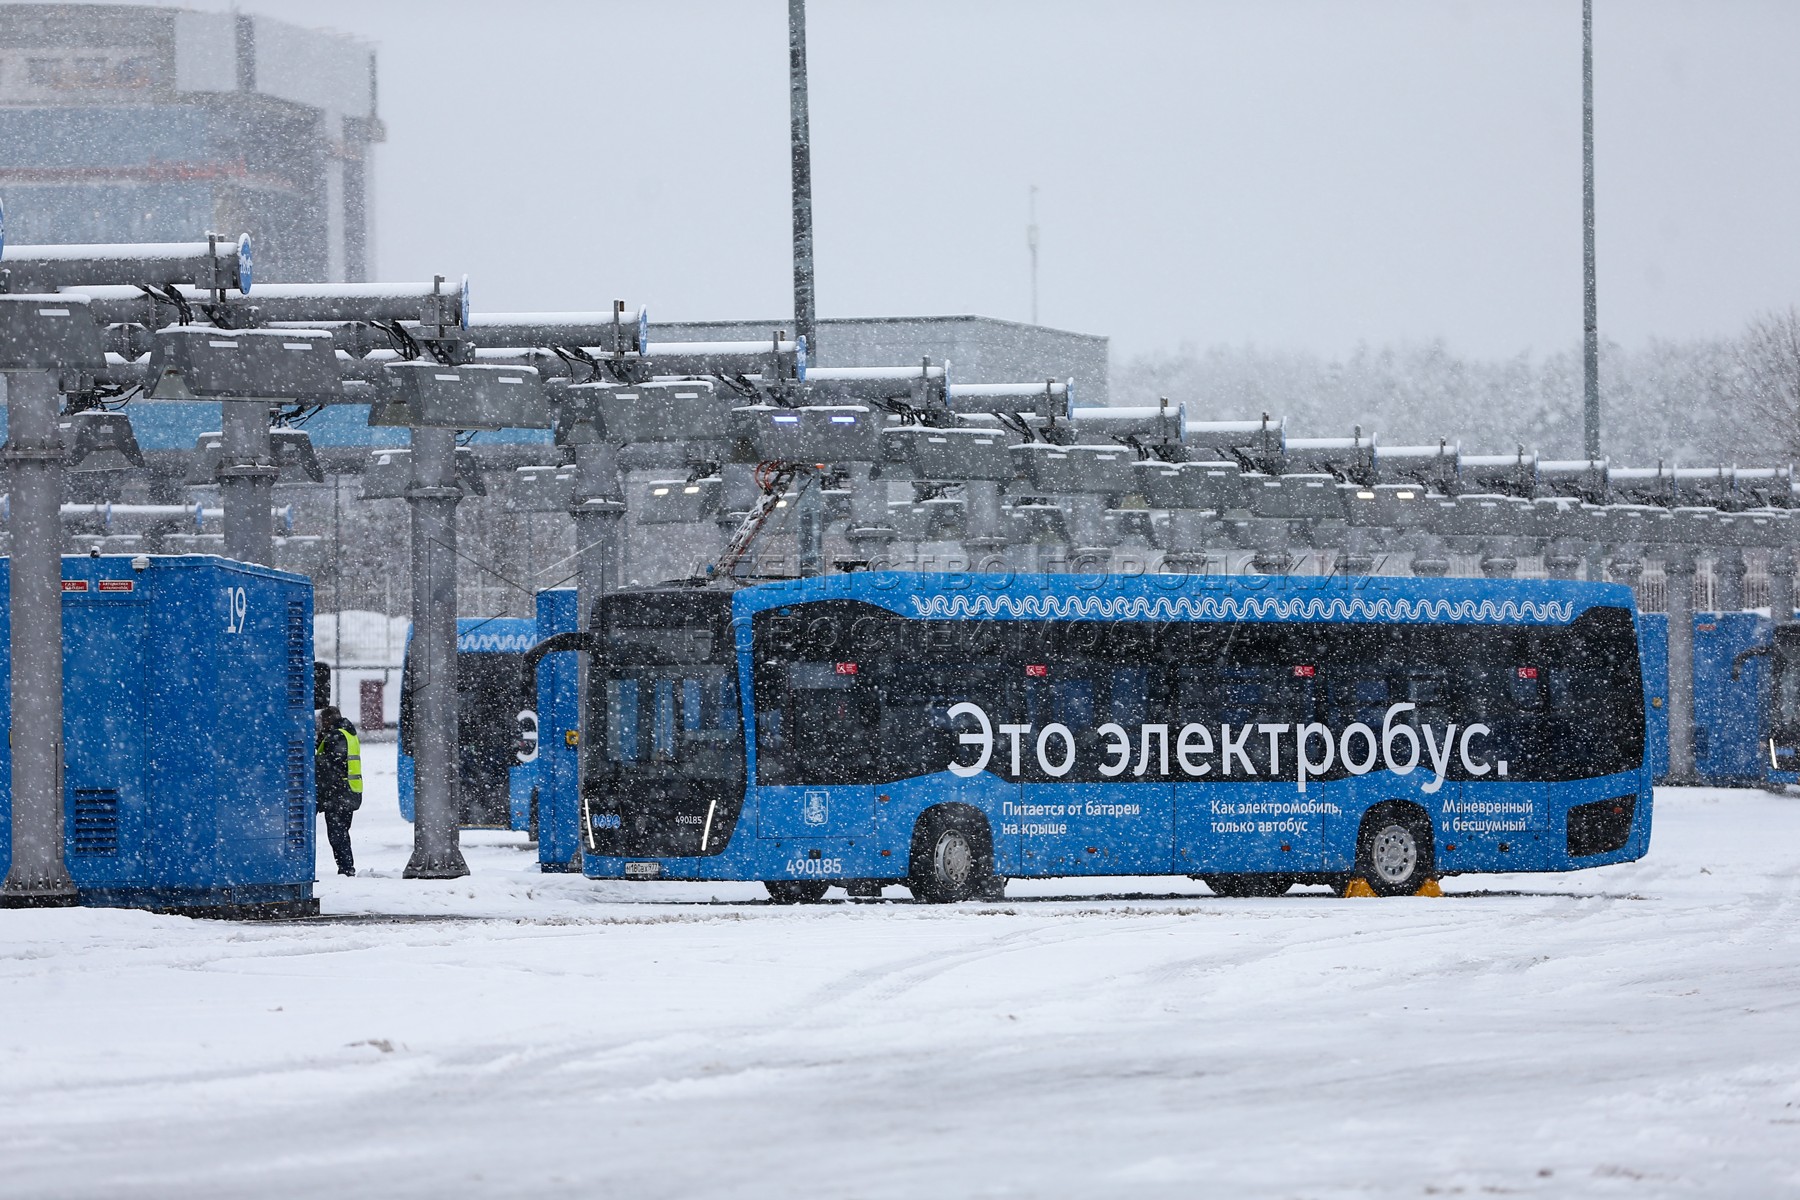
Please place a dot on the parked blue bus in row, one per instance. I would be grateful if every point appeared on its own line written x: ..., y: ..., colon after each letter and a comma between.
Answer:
x: 1746, y: 730
x: 950, y: 731
x: 1742, y: 665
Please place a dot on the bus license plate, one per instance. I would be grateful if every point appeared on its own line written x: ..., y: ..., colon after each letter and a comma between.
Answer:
x: 647, y: 870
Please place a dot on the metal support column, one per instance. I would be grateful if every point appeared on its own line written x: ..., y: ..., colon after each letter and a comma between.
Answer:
x: 1627, y: 567
x: 809, y: 528
x: 39, y: 876
x: 984, y: 525
x: 1678, y: 569
x: 1089, y: 551
x: 599, y: 508
x: 1561, y: 561
x: 1781, y: 585
x: 1357, y: 556
x: 1728, y: 574
x: 869, y: 533
x: 247, y: 481
x: 1499, y: 560
x: 437, y: 815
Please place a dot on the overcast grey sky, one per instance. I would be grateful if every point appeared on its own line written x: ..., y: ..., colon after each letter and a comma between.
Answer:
x: 1296, y: 174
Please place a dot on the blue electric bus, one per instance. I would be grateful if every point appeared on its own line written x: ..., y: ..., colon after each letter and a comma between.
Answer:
x: 496, y: 737
x: 948, y: 731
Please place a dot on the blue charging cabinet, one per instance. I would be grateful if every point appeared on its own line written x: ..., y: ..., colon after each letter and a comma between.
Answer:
x: 188, y: 726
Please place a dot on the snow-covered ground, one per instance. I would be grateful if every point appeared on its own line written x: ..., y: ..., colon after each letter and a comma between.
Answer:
x: 1632, y: 1031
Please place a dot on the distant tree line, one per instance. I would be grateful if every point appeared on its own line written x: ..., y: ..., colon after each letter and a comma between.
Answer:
x: 1698, y: 403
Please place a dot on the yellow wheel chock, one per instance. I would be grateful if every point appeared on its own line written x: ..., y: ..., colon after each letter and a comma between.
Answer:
x: 1358, y: 886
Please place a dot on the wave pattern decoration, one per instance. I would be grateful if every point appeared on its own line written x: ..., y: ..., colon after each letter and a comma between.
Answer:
x: 1245, y: 608
x: 492, y: 643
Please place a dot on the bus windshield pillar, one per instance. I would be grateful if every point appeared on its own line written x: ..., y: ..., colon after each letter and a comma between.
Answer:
x: 437, y: 812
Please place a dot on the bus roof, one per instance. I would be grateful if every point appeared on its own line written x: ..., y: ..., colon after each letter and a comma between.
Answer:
x: 1363, y: 598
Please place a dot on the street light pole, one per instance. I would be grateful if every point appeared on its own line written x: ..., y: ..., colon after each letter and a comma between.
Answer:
x: 804, y: 309
x: 1031, y: 242
x: 1591, y: 320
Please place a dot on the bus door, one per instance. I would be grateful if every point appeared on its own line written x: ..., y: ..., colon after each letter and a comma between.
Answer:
x: 1246, y: 813
x: 1084, y: 808
x: 1502, y: 798
x: 816, y: 756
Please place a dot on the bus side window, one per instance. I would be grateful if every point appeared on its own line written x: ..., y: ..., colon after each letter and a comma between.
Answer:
x: 821, y: 732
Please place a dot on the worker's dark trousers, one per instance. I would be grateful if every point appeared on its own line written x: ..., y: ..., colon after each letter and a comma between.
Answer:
x: 337, y: 828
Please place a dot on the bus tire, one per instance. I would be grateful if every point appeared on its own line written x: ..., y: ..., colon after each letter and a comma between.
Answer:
x: 1394, y: 852
x: 1241, y: 887
x: 951, y: 857
x: 795, y: 891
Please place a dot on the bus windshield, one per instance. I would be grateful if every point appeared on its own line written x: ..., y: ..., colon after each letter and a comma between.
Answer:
x: 665, y: 691
x: 1785, y: 717
x: 675, y: 720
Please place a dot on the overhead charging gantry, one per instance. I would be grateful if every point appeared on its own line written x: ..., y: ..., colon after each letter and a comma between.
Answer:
x: 51, y: 348
x: 396, y: 346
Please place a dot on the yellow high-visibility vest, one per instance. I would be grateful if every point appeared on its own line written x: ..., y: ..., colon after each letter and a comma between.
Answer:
x: 353, y: 747
x: 353, y: 758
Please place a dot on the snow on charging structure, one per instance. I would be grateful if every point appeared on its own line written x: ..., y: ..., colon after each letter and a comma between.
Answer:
x: 497, y: 739
x: 188, y: 730
x: 948, y: 731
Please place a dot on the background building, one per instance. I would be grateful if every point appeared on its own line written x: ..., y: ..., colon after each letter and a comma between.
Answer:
x: 125, y: 123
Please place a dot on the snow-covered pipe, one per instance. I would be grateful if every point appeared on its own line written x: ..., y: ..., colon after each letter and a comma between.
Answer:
x: 206, y: 264
x: 311, y: 304
x: 107, y: 512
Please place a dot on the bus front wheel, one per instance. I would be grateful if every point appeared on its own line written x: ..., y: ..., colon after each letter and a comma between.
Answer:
x: 950, y: 859
x: 1239, y: 887
x: 795, y: 891
x: 1395, y: 853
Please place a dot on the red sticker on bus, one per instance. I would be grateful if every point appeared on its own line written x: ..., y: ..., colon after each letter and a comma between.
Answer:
x: 117, y: 585
x: 1527, y: 672
x: 846, y: 668
x: 74, y: 585
x: 1305, y: 672
x: 1038, y: 670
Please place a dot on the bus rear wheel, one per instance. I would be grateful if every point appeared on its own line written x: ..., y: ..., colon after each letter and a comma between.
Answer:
x: 950, y: 860
x: 1239, y: 887
x: 1394, y: 853
x: 795, y: 891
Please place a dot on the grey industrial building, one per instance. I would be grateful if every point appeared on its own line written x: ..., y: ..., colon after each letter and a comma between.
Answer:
x: 129, y: 123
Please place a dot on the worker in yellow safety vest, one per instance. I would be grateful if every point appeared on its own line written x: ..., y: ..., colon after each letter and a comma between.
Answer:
x: 337, y: 778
